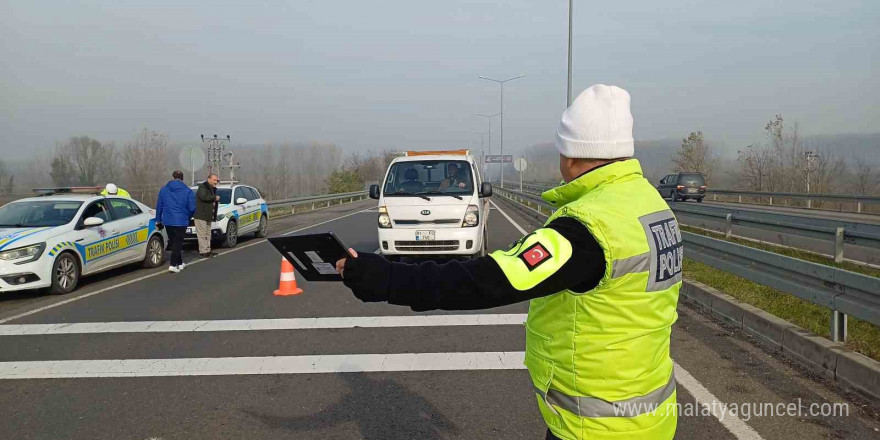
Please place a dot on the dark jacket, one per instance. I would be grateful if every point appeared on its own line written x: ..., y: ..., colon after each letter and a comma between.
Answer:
x: 206, y: 207
x: 176, y: 204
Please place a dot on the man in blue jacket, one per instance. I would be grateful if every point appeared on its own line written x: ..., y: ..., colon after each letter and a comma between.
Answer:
x: 176, y: 205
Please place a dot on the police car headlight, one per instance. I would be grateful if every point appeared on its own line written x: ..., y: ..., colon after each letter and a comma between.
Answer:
x: 384, y: 218
x: 471, y: 217
x: 23, y: 254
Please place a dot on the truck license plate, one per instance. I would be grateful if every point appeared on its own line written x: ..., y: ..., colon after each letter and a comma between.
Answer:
x: 190, y: 230
x: 424, y: 235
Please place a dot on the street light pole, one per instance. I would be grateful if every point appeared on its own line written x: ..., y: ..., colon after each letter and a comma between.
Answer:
x: 489, y: 123
x: 501, y: 81
x: 482, y: 148
x: 568, y: 90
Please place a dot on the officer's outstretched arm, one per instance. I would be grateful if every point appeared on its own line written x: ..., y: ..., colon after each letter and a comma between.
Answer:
x: 562, y: 255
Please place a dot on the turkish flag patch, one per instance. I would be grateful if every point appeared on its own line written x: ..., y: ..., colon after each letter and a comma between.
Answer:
x: 535, y: 255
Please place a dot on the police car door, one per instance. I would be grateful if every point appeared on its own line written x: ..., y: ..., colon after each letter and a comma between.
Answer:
x: 249, y: 219
x: 133, y: 229
x: 95, y: 243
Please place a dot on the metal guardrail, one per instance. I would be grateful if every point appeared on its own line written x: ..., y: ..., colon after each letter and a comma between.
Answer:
x: 841, y: 291
x: 837, y: 231
x: 315, y: 201
x: 857, y: 200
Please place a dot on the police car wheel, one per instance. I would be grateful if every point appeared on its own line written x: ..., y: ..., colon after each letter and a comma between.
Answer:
x: 65, y: 274
x: 155, y: 253
x: 231, y: 235
x: 263, y: 230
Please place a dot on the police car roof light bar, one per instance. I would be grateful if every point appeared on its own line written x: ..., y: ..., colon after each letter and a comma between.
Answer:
x: 69, y: 190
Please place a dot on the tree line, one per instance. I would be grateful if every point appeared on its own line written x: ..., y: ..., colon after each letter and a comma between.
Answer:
x: 144, y: 163
x: 783, y: 161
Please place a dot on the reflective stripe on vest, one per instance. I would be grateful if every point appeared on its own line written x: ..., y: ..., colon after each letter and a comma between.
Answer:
x: 593, y: 407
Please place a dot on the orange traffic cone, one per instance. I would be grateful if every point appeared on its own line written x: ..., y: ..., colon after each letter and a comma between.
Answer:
x: 288, y: 280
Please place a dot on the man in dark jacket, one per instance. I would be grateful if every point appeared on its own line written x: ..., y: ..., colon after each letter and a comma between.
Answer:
x: 206, y: 213
x: 175, y: 207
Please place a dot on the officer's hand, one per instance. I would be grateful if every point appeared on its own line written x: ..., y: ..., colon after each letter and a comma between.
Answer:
x: 340, y: 265
x: 461, y: 185
x: 160, y: 226
x: 367, y: 275
x: 216, y: 198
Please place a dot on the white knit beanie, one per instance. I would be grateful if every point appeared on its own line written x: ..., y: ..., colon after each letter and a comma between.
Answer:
x: 598, y: 125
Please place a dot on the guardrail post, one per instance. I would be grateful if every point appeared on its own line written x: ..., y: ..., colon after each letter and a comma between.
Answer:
x: 740, y: 198
x: 809, y: 203
x: 838, y: 326
x: 859, y: 207
x: 714, y: 197
x: 771, y: 200
x: 728, y: 225
x: 838, y: 245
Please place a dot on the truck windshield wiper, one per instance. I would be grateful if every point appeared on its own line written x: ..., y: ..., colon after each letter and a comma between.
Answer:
x: 404, y: 193
x: 441, y: 193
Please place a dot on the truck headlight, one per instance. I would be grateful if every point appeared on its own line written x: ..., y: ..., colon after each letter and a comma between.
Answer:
x: 384, y: 218
x: 24, y: 254
x: 471, y: 217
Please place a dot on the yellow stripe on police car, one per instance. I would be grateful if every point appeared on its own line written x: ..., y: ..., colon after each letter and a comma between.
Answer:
x: 115, y: 244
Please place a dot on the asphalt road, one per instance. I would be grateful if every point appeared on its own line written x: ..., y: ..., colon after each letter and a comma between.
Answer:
x: 246, y: 369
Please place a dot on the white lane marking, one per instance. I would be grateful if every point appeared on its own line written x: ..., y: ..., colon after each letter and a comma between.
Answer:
x: 230, y: 366
x: 515, y: 224
x: 734, y: 424
x: 328, y: 221
x: 161, y: 272
x: 341, y: 322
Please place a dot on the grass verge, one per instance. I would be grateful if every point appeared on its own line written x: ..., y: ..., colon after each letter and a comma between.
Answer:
x: 863, y: 337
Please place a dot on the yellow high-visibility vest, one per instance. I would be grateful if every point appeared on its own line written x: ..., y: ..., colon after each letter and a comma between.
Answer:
x: 600, y: 360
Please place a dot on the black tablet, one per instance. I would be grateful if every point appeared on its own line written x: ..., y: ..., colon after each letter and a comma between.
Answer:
x: 313, y: 255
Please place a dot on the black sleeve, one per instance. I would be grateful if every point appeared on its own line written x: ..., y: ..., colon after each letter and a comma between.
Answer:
x: 476, y: 284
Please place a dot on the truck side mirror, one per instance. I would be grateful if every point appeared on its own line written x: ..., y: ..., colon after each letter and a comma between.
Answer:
x: 374, y: 191
x: 486, y: 189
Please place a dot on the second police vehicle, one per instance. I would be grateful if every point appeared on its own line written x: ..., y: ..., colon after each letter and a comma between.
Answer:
x: 433, y: 203
x: 50, y: 241
x: 241, y: 210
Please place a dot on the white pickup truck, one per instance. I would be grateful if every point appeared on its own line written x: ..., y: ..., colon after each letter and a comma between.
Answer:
x: 433, y: 203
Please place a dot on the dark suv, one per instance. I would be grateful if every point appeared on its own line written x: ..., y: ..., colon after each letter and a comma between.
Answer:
x: 683, y: 186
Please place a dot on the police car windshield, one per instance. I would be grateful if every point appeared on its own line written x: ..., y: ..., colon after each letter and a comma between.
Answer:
x: 38, y: 213
x: 434, y: 177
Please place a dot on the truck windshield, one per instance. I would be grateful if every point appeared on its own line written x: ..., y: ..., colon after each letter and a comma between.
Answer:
x: 435, y: 177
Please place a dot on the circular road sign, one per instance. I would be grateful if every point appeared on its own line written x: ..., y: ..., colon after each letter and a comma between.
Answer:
x: 192, y: 158
x: 520, y: 164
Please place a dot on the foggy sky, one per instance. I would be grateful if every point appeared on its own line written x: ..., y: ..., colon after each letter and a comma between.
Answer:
x: 403, y: 73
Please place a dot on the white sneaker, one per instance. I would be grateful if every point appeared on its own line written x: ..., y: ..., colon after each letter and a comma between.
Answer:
x: 174, y: 269
x: 182, y: 265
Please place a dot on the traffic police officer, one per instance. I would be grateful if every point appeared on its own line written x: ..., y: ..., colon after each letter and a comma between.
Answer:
x: 112, y: 190
x: 603, y: 276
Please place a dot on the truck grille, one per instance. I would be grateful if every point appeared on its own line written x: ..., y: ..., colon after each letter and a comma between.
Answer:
x: 430, y: 245
x: 440, y: 221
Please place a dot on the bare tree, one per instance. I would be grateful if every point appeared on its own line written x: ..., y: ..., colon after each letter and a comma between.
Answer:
x: 865, y: 179
x: 144, y: 159
x: 754, y: 168
x: 695, y: 155
x: 84, y: 159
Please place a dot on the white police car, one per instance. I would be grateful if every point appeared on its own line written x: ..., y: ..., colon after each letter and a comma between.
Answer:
x: 241, y: 211
x: 53, y: 239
